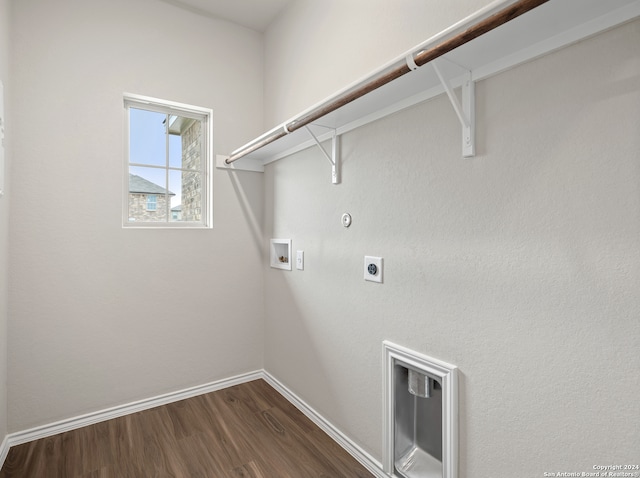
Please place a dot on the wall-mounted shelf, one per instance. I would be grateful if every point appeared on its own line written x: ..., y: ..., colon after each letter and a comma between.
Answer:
x: 545, y: 28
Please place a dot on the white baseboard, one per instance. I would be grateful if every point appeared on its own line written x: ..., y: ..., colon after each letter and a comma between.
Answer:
x: 4, y: 450
x: 44, y: 431
x: 370, y: 463
x: 121, y: 410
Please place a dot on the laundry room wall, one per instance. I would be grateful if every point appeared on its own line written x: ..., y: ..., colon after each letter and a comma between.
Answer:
x: 521, y: 265
x: 102, y: 316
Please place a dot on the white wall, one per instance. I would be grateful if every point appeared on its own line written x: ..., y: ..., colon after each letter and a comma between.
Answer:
x: 521, y: 266
x: 101, y: 316
x: 4, y: 223
x: 315, y: 48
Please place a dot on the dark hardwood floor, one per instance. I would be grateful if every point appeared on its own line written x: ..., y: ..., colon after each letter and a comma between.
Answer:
x: 249, y: 430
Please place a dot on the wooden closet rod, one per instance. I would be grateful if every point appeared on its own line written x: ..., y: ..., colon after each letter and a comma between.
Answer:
x: 421, y: 58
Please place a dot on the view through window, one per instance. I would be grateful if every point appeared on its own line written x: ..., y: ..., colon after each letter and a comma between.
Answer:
x: 168, y: 164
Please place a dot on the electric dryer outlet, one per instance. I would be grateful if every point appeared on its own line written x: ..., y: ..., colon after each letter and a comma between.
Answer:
x: 373, y: 268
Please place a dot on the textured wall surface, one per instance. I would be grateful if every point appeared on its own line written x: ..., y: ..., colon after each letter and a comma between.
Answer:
x: 101, y: 316
x: 521, y: 266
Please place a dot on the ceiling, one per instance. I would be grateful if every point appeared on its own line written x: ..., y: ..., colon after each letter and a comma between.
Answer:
x: 254, y: 14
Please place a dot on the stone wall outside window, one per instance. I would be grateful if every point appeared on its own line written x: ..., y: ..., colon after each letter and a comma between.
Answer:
x: 138, y: 208
x: 192, y: 180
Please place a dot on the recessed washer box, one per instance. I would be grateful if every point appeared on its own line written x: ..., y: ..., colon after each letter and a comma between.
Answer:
x: 280, y: 254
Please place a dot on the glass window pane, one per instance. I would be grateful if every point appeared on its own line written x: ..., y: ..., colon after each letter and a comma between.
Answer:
x: 186, y: 205
x: 147, y: 137
x: 144, y: 185
x: 175, y: 186
x: 175, y: 151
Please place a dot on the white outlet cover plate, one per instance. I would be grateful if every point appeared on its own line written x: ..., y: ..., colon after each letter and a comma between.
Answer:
x: 376, y: 261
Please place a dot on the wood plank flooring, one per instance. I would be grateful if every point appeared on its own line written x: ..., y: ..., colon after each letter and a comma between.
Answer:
x: 247, y: 431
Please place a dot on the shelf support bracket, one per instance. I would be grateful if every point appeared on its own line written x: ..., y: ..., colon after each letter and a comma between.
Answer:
x: 466, y: 112
x: 333, y: 157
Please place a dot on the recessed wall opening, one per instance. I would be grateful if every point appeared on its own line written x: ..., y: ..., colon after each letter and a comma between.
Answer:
x: 420, y: 415
x: 280, y: 254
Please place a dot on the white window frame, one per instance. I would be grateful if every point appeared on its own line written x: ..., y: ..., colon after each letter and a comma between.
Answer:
x: 171, y: 107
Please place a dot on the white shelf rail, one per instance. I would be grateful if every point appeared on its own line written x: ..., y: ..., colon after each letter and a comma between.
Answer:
x: 503, y: 34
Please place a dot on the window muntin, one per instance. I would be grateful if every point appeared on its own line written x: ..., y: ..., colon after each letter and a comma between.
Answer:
x: 168, y: 156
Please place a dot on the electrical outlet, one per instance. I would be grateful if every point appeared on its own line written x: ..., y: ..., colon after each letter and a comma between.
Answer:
x: 373, y: 268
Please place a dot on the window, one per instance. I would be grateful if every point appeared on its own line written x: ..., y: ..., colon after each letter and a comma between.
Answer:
x: 152, y: 202
x: 168, y: 164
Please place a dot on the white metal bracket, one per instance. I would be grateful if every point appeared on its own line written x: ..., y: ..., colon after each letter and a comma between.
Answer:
x: 466, y: 112
x: 333, y: 158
